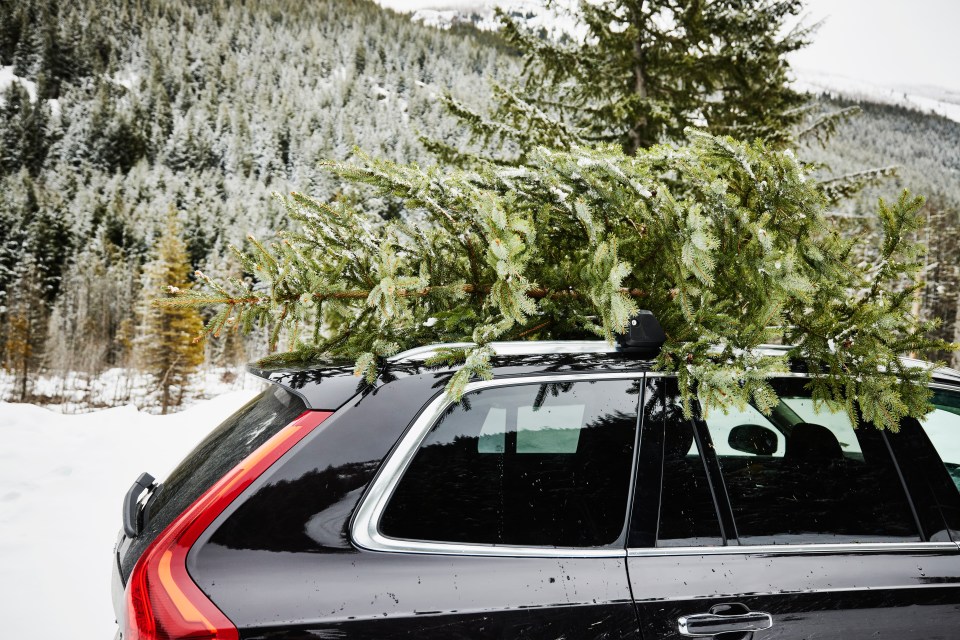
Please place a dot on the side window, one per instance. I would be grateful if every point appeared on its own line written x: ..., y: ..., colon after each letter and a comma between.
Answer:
x: 529, y: 464
x: 805, y: 475
x: 942, y: 426
x: 688, y: 514
x: 731, y: 431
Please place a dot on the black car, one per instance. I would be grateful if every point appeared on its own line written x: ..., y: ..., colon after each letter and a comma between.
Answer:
x: 567, y: 497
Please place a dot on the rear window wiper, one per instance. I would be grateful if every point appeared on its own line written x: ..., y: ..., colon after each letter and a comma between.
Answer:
x: 132, y: 522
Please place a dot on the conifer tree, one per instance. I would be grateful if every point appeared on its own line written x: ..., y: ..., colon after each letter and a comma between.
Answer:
x: 24, y: 131
x: 24, y: 312
x: 727, y: 243
x: 168, y: 347
x: 644, y: 71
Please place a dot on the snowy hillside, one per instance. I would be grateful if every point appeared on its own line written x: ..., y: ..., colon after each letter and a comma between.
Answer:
x: 444, y: 14
x: 62, y: 482
x: 925, y: 99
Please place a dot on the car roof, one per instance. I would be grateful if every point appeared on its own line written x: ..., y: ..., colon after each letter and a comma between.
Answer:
x: 329, y: 384
x: 608, y: 353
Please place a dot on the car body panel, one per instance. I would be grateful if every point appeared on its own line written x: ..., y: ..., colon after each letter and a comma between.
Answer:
x: 281, y: 562
x: 897, y: 590
x: 288, y: 538
x: 372, y: 594
x: 894, y: 594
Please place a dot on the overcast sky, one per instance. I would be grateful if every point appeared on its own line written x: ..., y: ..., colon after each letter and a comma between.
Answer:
x: 889, y: 42
x: 899, y: 42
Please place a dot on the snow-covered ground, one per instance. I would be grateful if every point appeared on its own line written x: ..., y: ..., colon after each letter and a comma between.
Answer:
x: 62, y: 481
x: 74, y: 392
x: 7, y: 77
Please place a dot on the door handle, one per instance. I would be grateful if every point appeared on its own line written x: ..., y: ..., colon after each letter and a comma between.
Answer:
x: 703, y: 625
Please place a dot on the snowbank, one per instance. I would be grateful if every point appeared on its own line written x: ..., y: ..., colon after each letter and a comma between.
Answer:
x: 62, y: 481
x: 76, y: 392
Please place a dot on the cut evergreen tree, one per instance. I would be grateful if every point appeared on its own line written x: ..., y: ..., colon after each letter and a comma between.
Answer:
x: 643, y: 72
x: 169, y: 348
x: 725, y: 242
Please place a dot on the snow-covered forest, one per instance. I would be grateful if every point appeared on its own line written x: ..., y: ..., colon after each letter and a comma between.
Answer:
x: 924, y: 149
x: 120, y: 116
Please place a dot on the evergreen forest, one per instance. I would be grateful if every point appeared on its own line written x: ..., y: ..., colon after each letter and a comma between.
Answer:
x: 139, y: 139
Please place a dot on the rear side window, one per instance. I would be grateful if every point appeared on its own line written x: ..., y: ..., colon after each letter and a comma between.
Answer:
x: 224, y: 448
x: 805, y: 475
x: 533, y: 465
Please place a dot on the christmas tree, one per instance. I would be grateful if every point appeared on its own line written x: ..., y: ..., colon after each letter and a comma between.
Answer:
x: 726, y: 242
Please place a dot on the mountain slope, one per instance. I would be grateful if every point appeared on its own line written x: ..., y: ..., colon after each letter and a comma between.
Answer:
x: 130, y: 111
x: 201, y: 110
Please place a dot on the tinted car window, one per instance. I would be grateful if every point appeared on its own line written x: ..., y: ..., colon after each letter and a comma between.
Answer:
x: 688, y: 515
x: 533, y: 464
x: 829, y: 483
x: 236, y: 438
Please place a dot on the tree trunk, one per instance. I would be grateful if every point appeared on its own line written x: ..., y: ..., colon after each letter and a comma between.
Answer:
x: 24, y: 372
x: 639, y: 133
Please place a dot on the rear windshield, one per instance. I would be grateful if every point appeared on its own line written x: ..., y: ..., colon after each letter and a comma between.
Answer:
x: 236, y: 438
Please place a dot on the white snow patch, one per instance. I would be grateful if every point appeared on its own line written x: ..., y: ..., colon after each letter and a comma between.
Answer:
x: 556, y: 19
x: 74, y: 392
x: 128, y: 79
x: 62, y: 482
x: 7, y: 77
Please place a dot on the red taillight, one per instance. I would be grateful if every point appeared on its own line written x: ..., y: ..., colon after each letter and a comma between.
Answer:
x: 163, y: 602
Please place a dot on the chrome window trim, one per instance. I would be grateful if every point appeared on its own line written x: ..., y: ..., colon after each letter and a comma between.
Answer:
x: 364, y: 528
x: 794, y: 549
x: 946, y: 386
x: 363, y: 525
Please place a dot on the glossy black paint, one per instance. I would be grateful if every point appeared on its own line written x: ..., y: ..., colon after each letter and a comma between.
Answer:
x: 280, y: 564
x: 894, y: 595
x: 329, y: 387
x: 325, y: 388
x: 303, y: 503
x: 369, y: 594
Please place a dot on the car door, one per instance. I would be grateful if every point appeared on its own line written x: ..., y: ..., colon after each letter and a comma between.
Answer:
x: 793, y: 525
